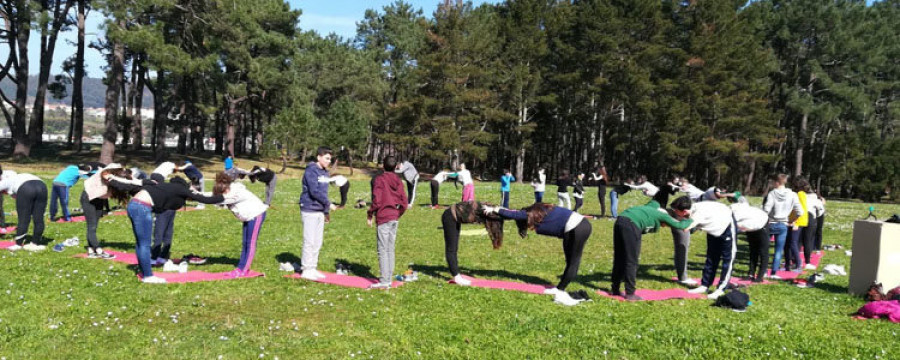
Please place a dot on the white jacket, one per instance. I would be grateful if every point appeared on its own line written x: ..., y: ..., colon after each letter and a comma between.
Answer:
x: 11, y: 181
x: 814, y: 205
x: 243, y: 203
x: 712, y: 217
x: 541, y: 184
x: 749, y: 218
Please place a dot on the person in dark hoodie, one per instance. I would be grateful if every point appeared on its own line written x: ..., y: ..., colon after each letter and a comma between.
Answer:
x: 389, y: 202
x: 315, y: 212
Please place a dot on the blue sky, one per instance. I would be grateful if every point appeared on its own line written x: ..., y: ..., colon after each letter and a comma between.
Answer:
x: 324, y: 16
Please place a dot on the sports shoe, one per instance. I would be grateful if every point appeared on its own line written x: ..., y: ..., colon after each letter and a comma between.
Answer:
x: 551, y: 291
x: 633, y: 297
x: 100, y: 254
x: 195, y: 260
x: 73, y: 241
x: 689, y: 282
x: 15, y: 248
x: 698, y: 290
x: 310, y: 275
x: 286, y: 267
x: 461, y: 281
x: 170, y: 266
x: 59, y: 247
x: 810, y: 267
x: 183, y: 267
x: 153, y: 280
x: 236, y: 273
x: 715, y: 294
x: 34, y: 247
x: 564, y: 298
x: 200, y: 207
x: 775, y: 277
x: 380, y: 285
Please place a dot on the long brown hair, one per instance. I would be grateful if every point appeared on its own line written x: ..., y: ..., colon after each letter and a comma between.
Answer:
x: 536, y: 214
x: 116, y: 194
x: 223, y: 183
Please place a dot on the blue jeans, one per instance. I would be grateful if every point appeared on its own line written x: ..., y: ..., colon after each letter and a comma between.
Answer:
x: 60, y: 192
x: 780, y: 231
x: 141, y: 216
x: 538, y: 196
x: 614, y: 204
x: 504, y: 195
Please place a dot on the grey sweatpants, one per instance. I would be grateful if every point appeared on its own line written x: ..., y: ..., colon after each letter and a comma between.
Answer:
x: 270, y: 190
x: 386, y: 236
x: 682, y: 242
x: 313, y: 234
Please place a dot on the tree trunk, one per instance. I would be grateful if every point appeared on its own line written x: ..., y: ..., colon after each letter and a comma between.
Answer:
x: 137, y: 122
x: 78, y: 81
x: 801, y: 134
x: 749, y: 184
x: 20, y: 136
x: 116, y: 74
x: 49, y: 36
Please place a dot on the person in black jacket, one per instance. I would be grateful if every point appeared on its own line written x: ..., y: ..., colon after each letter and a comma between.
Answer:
x: 578, y: 191
x: 266, y: 176
x: 153, y: 198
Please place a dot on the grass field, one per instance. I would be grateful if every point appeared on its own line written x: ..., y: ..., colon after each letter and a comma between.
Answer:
x: 55, y: 306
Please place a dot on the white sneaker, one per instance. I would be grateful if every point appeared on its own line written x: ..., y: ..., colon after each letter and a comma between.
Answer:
x: 286, y: 267
x: 551, y: 291
x: 689, y: 282
x: 318, y: 274
x: 169, y: 266
x: 183, y: 267
x: 715, y: 294
x: 153, y: 280
x: 34, y: 247
x: 775, y: 277
x: 310, y: 275
x: 563, y: 298
x: 810, y: 267
x: 698, y: 290
x: 201, y: 207
x: 461, y: 281
x: 71, y: 242
x: 16, y: 247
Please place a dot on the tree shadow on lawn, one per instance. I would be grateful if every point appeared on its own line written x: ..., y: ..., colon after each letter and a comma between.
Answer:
x: 441, y: 272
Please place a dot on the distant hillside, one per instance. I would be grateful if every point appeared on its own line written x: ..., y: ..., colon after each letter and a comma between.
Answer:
x: 94, y: 92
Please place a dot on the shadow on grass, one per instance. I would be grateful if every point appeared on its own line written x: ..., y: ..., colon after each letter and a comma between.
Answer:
x: 357, y: 269
x: 442, y: 272
x: 287, y: 257
x: 220, y: 260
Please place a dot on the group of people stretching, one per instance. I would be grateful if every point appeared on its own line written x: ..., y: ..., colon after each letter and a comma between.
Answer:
x: 152, y: 201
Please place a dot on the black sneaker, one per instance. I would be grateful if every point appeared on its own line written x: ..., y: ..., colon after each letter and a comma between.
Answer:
x: 104, y: 255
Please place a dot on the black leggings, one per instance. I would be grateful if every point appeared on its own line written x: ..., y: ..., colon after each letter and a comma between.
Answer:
x: 163, y: 229
x: 808, y: 238
x: 626, y: 255
x: 759, y: 252
x: 93, y: 209
x: 31, y: 202
x: 579, y: 202
x: 435, y: 191
x: 344, y: 189
x: 820, y: 223
x: 601, y: 195
x: 573, y: 246
x: 451, y: 239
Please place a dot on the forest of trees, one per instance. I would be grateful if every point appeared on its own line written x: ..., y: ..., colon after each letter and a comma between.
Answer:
x: 723, y: 92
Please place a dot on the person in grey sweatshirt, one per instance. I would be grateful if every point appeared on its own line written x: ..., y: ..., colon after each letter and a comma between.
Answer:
x: 783, y: 206
x: 411, y: 175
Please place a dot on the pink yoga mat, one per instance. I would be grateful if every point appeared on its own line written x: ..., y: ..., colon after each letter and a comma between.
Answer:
x: 122, y: 257
x: 198, y: 276
x: 657, y: 295
x: 345, y: 280
x: 6, y: 244
x: 8, y: 230
x: 734, y: 280
x: 506, y: 285
x: 784, y: 275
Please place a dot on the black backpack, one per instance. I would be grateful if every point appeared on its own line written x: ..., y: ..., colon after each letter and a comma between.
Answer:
x: 894, y: 219
x: 734, y: 299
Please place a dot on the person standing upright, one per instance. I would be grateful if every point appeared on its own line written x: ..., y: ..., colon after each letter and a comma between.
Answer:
x: 314, y: 211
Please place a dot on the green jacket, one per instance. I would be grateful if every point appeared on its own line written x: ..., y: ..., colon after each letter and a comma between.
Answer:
x: 648, y: 217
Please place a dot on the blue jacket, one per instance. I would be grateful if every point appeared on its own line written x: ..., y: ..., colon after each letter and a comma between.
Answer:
x: 504, y: 182
x: 554, y: 223
x: 314, y: 197
x: 69, y: 176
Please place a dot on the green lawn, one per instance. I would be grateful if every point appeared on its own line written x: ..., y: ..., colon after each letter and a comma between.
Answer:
x: 56, y: 306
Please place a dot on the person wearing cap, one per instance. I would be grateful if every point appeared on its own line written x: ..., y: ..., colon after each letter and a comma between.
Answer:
x: 61, y: 185
x: 195, y: 176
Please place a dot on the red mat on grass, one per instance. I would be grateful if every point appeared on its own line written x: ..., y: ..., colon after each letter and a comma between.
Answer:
x: 8, y: 230
x: 506, y: 285
x: 657, y: 295
x: 198, y: 276
x: 122, y: 257
x: 344, y: 280
x: 785, y: 275
x: 6, y: 244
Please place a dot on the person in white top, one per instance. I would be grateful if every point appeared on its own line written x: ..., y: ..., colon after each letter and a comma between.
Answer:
x: 247, y: 208
x: 31, y: 203
x: 717, y: 220
x: 539, y: 185
x: 692, y: 191
x: 343, y: 185
x: 465, y: 177
x: 162, y: 172
x: 436, y: 182
x: 752, y: 221
x: 646, y: 187
x: 819, y: 207
x: 409, y: 173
